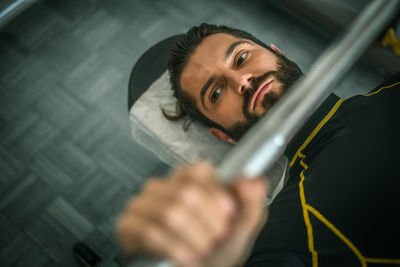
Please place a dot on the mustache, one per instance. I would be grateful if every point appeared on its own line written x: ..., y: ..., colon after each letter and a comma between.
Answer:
x: 248, y: 95
x: 258, y: 80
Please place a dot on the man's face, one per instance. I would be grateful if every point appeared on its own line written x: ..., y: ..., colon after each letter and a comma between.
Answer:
x: 235, y: 81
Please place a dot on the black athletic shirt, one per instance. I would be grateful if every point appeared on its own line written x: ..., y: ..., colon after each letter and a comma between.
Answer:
x: 341, y: 204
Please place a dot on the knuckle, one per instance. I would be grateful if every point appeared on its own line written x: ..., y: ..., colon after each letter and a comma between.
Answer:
x: 203, y: 166
x: 226, y: 203
x: 185, y: 193
x: 189, y: 194
x: 182, y: 170
x: 203, y: 170
x: 171, y: 215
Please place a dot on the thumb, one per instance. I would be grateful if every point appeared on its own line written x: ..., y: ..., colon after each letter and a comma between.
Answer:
x: 251, y: 192
x: 249, y: 220
x: 251, y: 197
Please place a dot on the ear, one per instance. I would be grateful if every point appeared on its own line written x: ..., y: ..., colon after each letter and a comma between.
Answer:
x: 221, y: 135
x: 275, y: 48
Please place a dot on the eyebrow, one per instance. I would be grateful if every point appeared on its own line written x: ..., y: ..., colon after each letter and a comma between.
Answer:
x: 228, y: 53
x: 232, y: 47
x: 205, y: 88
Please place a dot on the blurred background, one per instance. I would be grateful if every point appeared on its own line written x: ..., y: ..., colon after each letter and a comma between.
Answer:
x: 67, y: 161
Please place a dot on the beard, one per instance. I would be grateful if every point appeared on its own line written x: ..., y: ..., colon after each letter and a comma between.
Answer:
x: 287, y: 73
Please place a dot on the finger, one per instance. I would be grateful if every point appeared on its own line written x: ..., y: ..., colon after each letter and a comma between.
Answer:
x: 202, y: 172
x: 252, y: 189
x: 152, y: 238
x: 250, y: 217
x: 219, y: 198
x: 207, y: 199
x: 177, y: 218
x: 213, y: 206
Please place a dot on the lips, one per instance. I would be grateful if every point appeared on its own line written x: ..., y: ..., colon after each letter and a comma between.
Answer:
x: 258, y: 95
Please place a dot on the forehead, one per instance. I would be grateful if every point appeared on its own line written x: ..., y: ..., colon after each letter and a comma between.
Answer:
x: 211, y: 50
x: 207, y: 59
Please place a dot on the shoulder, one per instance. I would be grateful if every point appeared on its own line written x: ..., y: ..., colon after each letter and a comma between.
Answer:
x: 392, y: 81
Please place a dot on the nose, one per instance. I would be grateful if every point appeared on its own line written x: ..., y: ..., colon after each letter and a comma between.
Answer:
x: 242, y: 82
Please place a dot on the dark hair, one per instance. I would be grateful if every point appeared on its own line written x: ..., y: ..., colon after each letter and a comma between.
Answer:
x: 179, y: 56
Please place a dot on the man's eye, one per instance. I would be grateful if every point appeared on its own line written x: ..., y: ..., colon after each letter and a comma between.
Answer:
x: 241, y: 59
x: 215, y: 95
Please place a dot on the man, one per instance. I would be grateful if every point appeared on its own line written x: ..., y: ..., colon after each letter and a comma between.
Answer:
x: 338, y: 205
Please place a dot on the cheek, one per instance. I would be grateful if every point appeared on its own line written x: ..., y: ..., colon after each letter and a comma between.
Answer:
x: 230, y: 111
x: 264, y: 62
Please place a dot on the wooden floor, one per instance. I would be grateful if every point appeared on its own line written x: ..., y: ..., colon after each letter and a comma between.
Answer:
x: 67, y: 162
